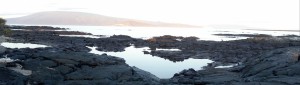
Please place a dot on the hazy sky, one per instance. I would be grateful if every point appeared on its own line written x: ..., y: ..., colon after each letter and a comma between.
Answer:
x: 272, y: 14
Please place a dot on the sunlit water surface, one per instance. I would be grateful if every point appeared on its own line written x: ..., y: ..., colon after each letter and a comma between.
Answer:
x: 22, y: 45
x: 204, y: 33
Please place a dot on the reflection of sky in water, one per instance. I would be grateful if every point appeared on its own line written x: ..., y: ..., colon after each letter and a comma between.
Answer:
x: 87, y: 36
x: 22, y: 45
x: 204, y: 33
x: 160, y: 67
x: 148, y: 32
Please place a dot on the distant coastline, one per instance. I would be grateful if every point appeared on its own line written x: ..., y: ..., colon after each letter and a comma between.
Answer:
x: 87, y: 19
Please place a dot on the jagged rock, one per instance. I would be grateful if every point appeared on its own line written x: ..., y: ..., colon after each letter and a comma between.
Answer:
x: 277, y: 67
x: 281, y: 65
x: 68, y: 68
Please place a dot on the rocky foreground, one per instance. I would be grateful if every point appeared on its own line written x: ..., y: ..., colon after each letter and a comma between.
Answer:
x: 261, y: 60
x: 277, y: 67
x: 51, y: 67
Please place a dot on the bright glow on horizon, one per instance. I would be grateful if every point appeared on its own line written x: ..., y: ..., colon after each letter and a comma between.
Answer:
x: 269, y: 14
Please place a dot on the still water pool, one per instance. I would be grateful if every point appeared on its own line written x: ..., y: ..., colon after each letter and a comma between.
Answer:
x: 160, y: 67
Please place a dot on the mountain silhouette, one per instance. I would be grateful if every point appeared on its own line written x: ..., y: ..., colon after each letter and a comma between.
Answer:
x: 81, y: 18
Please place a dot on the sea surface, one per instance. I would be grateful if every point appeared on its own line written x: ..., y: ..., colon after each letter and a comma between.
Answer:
x: 204, y: 33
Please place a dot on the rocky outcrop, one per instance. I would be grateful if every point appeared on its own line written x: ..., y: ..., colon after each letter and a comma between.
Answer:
x: 281, y: 66
x: 223, y: 51
x: 36, y: 28
x: 50, y: 37
x: 174, y: 56
x: 2, y: 49
x: 235, y: 51
x: 278, y: 67
x: 68, y: 68
x: 10, y: 77
x: 67, y: 62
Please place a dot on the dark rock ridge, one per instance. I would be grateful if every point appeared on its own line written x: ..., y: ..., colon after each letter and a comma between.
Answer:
x: 277, y: 67
x: 52, y: 67
x: 221, y: 51
x: 37, y: 28
x: 52, y: 38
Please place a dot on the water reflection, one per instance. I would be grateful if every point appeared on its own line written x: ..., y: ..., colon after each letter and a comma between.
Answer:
x: 227, y: 66
x: 160, y: 67
x: 204, y: 33
x: 87, y: 36
x: 158, y: 49
x: 22, y: 45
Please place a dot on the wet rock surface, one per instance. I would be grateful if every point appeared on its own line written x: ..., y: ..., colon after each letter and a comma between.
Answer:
x: 265, y: 60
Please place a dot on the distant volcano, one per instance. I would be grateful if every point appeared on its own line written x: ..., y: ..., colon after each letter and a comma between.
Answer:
x: 80, y: 18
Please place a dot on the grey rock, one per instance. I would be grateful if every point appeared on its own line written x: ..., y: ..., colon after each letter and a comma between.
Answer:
x: 284, y: 61
x: 88, y: 82
x: 277, y: 67
x: 112, y: 72
x: 48, y: 63
x: 9, y: 77
x: 2, y: 49
x: 146, y: 75
x: 256, y: 83
x: 45, y: 75
x: 63, y: 69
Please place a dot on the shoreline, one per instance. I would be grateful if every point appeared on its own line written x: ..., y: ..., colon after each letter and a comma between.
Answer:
x: 67, y: 70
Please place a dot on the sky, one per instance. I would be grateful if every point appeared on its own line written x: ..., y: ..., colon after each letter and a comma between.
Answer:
x: 265, y: 14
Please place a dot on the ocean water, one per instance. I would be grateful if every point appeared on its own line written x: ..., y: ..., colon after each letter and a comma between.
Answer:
x: 204, y: 33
